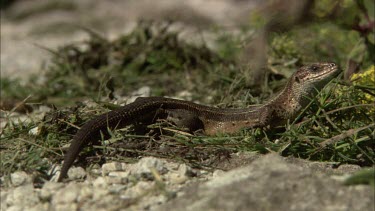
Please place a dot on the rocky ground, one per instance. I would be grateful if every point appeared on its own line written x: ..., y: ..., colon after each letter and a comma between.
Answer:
x: 262, y: 182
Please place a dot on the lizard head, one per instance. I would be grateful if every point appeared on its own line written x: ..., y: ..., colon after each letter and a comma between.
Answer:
x: 310, y: 79
x: 304, y: 84
x: 314, y: 76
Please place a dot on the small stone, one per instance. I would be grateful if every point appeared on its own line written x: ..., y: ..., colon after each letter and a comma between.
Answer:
x: 49, y: 188
x: 122, y: 174
x: 39, y: 207
x: 85, y: 193
x: 185, y: 95
x: 35, y: 131
x: 138, y: 190
x: 99, y: 193
x: 145, y: 165
x: 120, y: 177
x: 15, y: 208
x: 44, y: 109
x: 20, y: 178
x: 116, y: 188
x: 64, y: 207
x: 144, y: 91
x: 217, y: 173
x: 3, y: 197
x: 176, y: 178
x: 114, y: 166
x: 23, y: 196
x: 76, y: 173
x: 100, y: 182
x: 185, y: 170
x: 68, y: 194
x: 114, y: 180
x: 348, y: 168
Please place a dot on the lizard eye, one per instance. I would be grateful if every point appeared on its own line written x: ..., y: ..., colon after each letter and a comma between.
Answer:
x: 314, y: 68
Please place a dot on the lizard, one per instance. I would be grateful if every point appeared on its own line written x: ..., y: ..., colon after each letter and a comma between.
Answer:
x: 305, y: 83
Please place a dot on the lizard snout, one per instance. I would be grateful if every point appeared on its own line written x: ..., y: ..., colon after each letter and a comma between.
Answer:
x: 331, y: 64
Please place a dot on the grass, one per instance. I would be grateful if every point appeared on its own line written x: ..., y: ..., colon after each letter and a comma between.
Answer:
x: 338, y: 126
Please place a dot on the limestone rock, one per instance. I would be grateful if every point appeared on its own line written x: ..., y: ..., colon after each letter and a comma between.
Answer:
x: 76, y: 173
x: 19, y: 178
x: 145, y: 166
x: 272, y: 183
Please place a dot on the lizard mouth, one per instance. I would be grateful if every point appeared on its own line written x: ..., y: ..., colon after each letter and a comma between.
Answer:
x: 332, y: 70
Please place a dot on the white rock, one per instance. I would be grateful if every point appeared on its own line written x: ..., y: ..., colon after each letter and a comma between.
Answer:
x: 68, y: 194
x: 39, y: 207
x: 144, y: 91
x: 176, y: 178
x: 217, y: 173
x: 145, y: 165
x: 99, y: 193
x: 113, y: 166
x: 76, y: 173
x: 138, y: 190
x: 23, y: 196
x: 100, y: 182
x: 114, y: 180
x: 35, y: 131
x: 49, y: 188
x: 185, y: 95
x: 3, y: 198
x: 65, y: 207
x: 185, y: 170
x: 118, y: 177
x: 44, y: 109
x: 122, y: 174
x: 85, y: 193
x: 20, y: 178
x: 116, y: 188
x: 14, y: 208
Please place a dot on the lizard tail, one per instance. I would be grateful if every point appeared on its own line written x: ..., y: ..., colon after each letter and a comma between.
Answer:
x: 89, y: 133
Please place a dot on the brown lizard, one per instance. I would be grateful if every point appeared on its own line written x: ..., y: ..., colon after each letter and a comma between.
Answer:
x: 303, y: 84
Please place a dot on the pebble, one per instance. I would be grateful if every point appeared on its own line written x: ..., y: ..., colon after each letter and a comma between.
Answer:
x: 76, y: 173
x: 35, y: 131
x: 64, y: 207
x: 119, y: 182
x: 217, y: 173
x: 85, y: 193
x: 19, y: 178
x: 68, y: 194
x: 15, y: 208
x: 185, y: 170
x: 139, y: 189
x: 22, y: 196
x: 120, y: 177
x: 3, y: 198
x: 145, y: 165
x: 39, y: 207
x: 99, y: 193
x: 100, y: 182
x: 113, y: 166
x: 49, y: 188
x: 175, y: 178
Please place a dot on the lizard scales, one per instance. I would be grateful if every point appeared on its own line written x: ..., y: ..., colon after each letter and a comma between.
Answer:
x: 306, y: 81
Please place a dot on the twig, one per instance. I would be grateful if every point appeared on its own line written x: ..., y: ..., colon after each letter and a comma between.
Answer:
x: 343, y: 135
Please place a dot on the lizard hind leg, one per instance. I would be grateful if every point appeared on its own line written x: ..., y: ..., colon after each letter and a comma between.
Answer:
x: 185, y: 119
